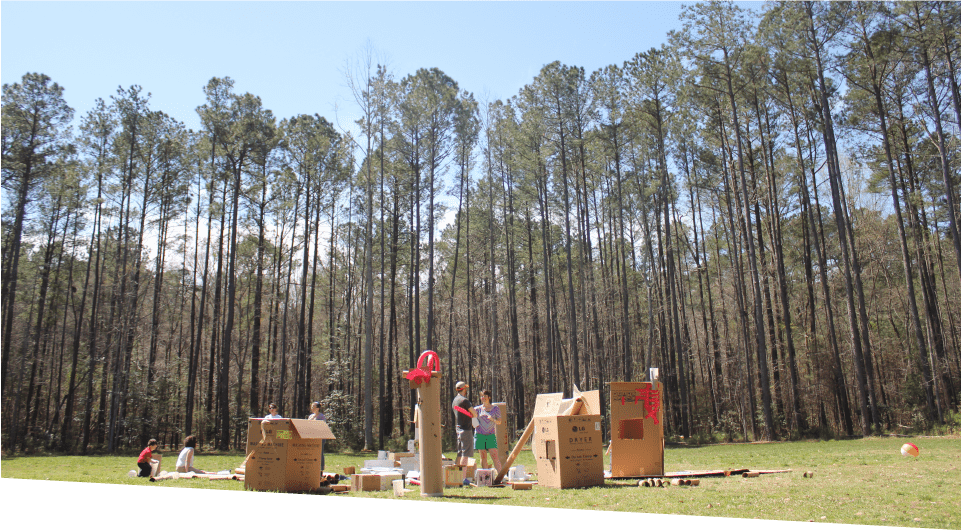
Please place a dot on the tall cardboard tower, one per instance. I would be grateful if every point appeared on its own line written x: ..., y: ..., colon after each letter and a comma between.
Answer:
x: 637, y: 429
x: 427, y: 417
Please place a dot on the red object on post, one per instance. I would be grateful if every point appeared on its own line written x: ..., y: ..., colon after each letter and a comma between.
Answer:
x: 419, y: 375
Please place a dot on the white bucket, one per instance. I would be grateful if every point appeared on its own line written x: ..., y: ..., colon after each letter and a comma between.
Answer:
x: 517, y: 473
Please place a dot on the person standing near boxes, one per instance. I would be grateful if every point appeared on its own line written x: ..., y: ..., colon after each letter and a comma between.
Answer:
x: 485, y: 437
x: 272, y: 413
x: 316, y: 414
x: 464, y: 425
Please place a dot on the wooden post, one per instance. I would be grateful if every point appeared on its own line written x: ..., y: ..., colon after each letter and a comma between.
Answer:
x: 429, y: 438
x: 428, y: 422
x: 517, y: 451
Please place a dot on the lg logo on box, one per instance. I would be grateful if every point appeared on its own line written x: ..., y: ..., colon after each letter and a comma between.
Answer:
x: 579, y: 428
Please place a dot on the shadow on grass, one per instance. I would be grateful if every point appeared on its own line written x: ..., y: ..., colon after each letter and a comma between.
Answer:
x: 474, y: 497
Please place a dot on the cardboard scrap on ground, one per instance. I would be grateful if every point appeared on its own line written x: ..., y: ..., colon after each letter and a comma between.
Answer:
x: 723, y: 473
x: 701, y: 474
x: 173, y: 475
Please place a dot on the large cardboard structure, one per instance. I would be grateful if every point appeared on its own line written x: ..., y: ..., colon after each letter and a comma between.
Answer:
x: 285, y: 454
x: 637, y: 430
x: 500, y: 432
x: 567, y: 444
x: 427, y: 418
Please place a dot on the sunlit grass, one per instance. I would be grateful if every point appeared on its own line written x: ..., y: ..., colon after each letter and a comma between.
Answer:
x: 855, y: 482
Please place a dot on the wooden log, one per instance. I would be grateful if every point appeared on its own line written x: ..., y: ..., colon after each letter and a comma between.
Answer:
x: 750, y: 474
x: 678, y: 482
x: 518, y: 447
x: 694, y: 482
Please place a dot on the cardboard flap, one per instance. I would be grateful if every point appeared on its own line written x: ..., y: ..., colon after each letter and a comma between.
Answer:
x: 547, y: 404
x: 591, y: 400
x: 582, y: 404
x: 314, y: 429
x: 569, y: 407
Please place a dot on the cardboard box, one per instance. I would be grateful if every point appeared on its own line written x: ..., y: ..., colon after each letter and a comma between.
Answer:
x: 453, y: 476
x: 500, y: 432
x: 285, y: 454
x: 484, y: 477
x: 569, y: 451
x: 365, y: 483
x: 371, y: 464
x: 637, y: 430
x: 408, y: 464
x: 394, y: 457
x: 387, y: 480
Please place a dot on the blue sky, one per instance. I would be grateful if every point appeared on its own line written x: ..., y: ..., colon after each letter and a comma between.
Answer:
x: 292, y: 54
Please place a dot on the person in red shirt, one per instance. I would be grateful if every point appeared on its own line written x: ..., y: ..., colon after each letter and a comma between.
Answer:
x: 148, y: 457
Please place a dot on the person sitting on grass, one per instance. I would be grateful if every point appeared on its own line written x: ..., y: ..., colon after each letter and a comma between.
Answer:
x: 185, y: 461
x: 149, y: 458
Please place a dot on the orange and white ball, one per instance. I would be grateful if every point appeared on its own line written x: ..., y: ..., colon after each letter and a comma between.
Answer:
x: 909, y: 449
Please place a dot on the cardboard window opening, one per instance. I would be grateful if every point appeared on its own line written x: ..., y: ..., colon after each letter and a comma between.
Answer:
x: 550, y: 449
x: 631, y: 429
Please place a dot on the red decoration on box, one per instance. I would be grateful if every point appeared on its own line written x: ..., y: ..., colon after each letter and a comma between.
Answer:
x: 651, y: 399
x: 652, y: 402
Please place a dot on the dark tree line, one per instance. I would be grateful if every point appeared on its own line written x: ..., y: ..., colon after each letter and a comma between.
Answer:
x: 765, y: 208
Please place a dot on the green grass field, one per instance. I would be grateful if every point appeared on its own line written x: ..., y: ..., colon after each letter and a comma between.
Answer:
x: 863, y: 481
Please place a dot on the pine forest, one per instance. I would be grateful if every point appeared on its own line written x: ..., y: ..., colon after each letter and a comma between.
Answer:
x: 765, y: 208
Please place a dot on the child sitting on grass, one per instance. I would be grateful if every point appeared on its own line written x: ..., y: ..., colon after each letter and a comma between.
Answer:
x: 146, y: 461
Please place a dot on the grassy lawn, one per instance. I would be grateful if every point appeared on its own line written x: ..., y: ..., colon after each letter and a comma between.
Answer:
x: 855, y: 482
